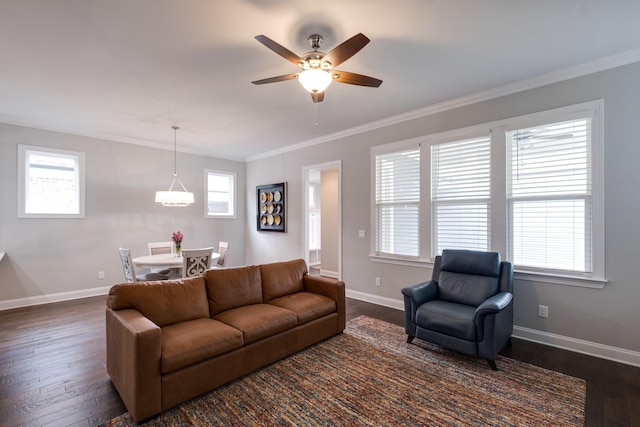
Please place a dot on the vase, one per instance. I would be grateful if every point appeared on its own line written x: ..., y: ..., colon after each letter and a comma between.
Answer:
x: 178, y: 250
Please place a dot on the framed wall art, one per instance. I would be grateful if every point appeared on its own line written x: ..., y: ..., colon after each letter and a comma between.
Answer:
x: 271, y: 207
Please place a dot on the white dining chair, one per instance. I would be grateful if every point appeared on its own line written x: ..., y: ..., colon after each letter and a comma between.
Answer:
x: 222, y: 250
x: 157, y: 248
x: 196, y: 261
x: 130, y: 272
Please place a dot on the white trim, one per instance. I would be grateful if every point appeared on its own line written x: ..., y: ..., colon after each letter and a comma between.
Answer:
x: 234, y: 193
x: 589, y: 348
x: 49, y: 298
x: 333, y: 165
x: 602, y: 351
x: 328, y: 273
x: 79, y: 158
x: 375, y: 299
x: 592, y: 67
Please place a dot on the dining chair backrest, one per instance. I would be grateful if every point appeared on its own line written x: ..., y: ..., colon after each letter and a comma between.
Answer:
x: 127, y: 265
x: 222, y: 250
x: 160, y: 247
x: 196, y: 261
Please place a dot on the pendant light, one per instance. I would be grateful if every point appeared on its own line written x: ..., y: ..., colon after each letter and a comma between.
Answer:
x: 175, y: 197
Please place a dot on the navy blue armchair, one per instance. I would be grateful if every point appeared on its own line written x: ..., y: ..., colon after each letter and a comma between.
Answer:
x: 467, y: 306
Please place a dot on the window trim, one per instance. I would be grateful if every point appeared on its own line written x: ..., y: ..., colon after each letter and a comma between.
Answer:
x: 233, y: 198
x: 23, y: 153
x: 499, y: 225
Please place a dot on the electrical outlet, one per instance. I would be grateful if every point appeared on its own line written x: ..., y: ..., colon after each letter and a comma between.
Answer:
x: 378, y: 283
x: 543, y: 311
x: 362, y: 234
x: 100, y: 274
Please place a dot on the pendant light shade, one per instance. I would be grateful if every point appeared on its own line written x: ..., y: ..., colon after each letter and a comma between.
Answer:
x: 179, y: 196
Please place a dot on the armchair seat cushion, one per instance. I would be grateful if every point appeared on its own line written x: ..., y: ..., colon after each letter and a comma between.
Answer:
x: 456, y: 320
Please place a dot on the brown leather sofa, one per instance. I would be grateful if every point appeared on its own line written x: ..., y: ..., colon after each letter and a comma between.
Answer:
x: 169, y: 341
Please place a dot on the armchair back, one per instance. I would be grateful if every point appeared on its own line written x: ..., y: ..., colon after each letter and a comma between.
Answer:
x: 468, y: 277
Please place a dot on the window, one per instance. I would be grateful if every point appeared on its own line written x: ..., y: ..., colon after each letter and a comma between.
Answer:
x: 549, y: 193
x: 220, y: 194
x: 528, y: 187
x: 397, y: 202
x: 51, y: 183
x: 461, y: 195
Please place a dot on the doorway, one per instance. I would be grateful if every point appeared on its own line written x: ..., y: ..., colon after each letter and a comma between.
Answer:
x: 322, y: 227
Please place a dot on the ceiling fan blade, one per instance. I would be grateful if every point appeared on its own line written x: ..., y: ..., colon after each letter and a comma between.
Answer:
x: 279, y: 49
x: 276, y: 79
x: 318, y: 97
x: 346, y: 50
x: 355, y: 79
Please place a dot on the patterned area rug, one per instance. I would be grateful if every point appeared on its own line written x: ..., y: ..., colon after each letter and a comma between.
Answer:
x: 369, y: 376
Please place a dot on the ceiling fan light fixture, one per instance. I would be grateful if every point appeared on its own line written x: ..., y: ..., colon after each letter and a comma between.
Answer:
x: 177, y: 197
x: 315, y: 80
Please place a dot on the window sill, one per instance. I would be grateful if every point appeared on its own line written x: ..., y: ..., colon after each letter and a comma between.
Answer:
x: 402, y: 261
x: 582, y: 282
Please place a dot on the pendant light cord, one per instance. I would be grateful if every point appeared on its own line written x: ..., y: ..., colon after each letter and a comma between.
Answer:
x: 175, y: 149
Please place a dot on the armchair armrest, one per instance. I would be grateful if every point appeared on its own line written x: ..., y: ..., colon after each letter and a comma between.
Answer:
x: 421, y: 293
x: 133, y: 361
x: 330, y: 288
x: 414, y: 297
x: 495, y: 304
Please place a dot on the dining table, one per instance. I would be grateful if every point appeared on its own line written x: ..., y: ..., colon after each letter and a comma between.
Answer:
x: 168, y: 260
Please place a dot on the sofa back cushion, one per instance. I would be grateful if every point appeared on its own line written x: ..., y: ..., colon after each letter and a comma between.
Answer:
x: 468, y: 277
x: 229, y: 288
x: 164, y: 302
x: 282, y: 278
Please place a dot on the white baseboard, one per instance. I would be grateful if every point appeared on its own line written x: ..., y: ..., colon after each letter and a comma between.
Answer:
x: 601, y: 351
x: 329, y: 273
x: 376, y: 299
x: 46, y: 299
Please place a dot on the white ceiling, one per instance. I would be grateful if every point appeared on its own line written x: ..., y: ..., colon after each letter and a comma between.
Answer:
x: 128, y: 70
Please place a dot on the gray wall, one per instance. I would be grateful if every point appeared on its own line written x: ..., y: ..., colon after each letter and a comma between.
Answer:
x: 600, y: 317
x: 52, y: 256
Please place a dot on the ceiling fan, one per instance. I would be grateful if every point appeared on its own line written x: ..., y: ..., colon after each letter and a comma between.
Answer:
x: 318, y: 67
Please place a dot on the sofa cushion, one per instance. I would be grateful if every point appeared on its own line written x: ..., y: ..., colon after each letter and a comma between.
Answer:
x: 258, y: 321
x: 164, y: 302
x: 190, y: 342
x: 305, y: 305
x: 282, y: 278
x: 229, y: 288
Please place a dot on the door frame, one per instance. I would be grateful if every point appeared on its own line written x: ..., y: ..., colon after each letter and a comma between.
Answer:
x: 334, y: 165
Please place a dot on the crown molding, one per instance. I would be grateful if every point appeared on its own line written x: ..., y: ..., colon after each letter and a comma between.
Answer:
x: 584, y: 69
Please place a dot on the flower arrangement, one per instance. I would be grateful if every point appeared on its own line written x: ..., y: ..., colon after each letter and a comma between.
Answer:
x: 177, y: 239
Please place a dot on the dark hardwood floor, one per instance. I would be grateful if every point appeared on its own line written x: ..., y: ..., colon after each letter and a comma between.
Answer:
x: 52, y: 368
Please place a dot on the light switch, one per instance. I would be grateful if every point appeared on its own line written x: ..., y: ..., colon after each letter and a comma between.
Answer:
x: 362, y: 234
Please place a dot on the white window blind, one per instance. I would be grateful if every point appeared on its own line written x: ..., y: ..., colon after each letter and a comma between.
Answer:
x: 220, y: 193
x: 51, y: 183
x: 461, y: 195
x: 549, y: 193
x: 397, y: 199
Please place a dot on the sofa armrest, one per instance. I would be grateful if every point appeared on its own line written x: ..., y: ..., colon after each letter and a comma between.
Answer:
x: 330, y: 288
x: 133, y: 361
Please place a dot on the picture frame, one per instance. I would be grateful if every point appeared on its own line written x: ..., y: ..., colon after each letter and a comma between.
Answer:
x: 271, y: 203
